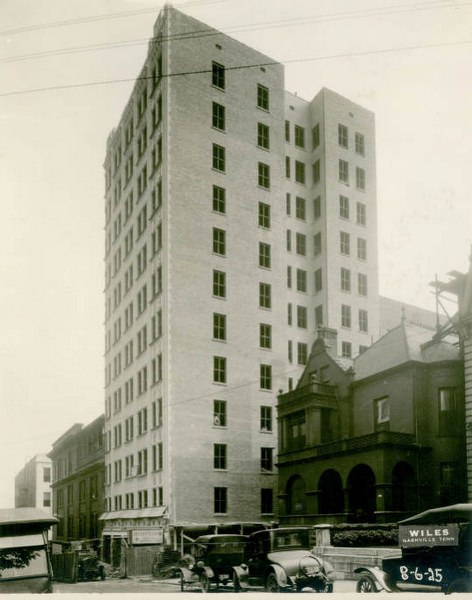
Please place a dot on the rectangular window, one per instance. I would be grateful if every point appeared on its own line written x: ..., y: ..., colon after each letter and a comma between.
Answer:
x: 361, y: 249
x: 219, y: 284
x: 218, y: 75
x: 267, y: 501
x: 317, y: 208
x: 345, y: 279
x: 301, y: 280
x: 264, y: 255
x: 265, y: 299
x: 287, y: 167
x: 448, y: 411
x: 219, y: 199
x: 265, y: 335
x: 300, y: 208
x: 289, y: 313
x: 319, y: 315
x: 361, y: 216
x: 46, y: 498
x: 263, y: 177
x: 264, y: 215
x: 300, y: 245
x: 218, y: 116
x: 317, y: 243
x: 345, y: 316
x: 344, y: 243
x: 289, y: 277
x: 287, y: 131
x: 219, y: 413
x: 359, y: 143
x: 363, y: 320
x: 219, y: 456
x: 360, y: 178
x: 219, y: 326
x: 316, y: 172
x: 219, y: 241
x: 220, y: 495
x: 267, y: 461
x: 219, y: 369
x: 342, y: 136
x: 343, y: 171
x: 299, y: 172
x: 290, y: 351
x: 302, y: 353
x: 288, y: 205
x: 343, y: 207
x: 346, y: 350
x: 302, y: 317
x: 315, y: 137
x: 263, y: 136
x: 382, y: 410
x: 266, y: 377
x: 299, y: 136
x: 289, y: 240
x: 47, y: 474
x: 362, y: 284
x: 262, y: 97
x: 266, y: 418
x: 219, y: 158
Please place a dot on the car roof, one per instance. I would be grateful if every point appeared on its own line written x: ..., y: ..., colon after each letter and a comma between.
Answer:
x: 455, y: 513
x: 17, y: 516
x: 220, y: 537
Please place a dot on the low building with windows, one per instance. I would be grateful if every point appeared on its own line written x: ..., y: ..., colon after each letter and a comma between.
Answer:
x: 78, y: 463
x: 33, y: 484
x: 374, y: 438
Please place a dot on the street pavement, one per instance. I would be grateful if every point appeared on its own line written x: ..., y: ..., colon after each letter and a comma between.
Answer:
x: 147, y: 585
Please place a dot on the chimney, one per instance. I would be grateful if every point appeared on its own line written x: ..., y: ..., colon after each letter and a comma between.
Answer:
x: 330, y: 337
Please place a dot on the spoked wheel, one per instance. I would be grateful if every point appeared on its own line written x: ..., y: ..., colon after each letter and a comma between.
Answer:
x: 204, y: 583
x: 272, y: 584
x: 366, y: 585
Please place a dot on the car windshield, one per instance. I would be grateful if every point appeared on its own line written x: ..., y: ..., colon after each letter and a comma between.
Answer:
x: 290, y: 539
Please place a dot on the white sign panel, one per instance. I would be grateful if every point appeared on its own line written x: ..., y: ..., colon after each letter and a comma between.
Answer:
x: 147, y: 536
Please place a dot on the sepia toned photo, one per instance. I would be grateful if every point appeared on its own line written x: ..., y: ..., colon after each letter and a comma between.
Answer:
x: 236, y: 296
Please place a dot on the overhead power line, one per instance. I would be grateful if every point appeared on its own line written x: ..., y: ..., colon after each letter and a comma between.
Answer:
x: 103, y: 17
x: 238, y: 67
x: 199, y: 33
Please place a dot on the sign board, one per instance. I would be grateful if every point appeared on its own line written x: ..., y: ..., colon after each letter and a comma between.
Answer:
x: 147, y: 536
x: 428, y: 535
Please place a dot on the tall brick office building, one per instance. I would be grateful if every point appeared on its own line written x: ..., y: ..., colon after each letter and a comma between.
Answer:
x: 239, y: 217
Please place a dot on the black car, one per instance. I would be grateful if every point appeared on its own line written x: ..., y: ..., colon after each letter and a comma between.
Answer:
x: 436, y: 555
x: 280, y: 560
x: 212, y: 561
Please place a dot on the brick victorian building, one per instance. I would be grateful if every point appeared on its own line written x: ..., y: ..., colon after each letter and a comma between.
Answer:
x: 374, y: 438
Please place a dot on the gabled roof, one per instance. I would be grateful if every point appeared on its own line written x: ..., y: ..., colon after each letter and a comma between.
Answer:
x: 320, y: 346
x: 403, y: 344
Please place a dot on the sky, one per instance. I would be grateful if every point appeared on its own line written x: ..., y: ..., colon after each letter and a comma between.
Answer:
x: 66, y: 71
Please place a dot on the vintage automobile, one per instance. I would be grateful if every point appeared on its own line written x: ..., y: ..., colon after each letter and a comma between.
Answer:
x: 25, y: 565
x: 90, y: 567
x: 212, y: 561
x: 280, y: 560
x: 436, y: 555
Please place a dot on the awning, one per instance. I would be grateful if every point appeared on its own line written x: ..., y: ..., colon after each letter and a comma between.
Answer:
x: 141, y: 513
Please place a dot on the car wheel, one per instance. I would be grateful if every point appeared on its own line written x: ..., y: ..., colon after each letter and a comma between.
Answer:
x: 459, y: 585
x: 272, y: 585
x: 204, y: 583
x: 366, y: 585
x: 182, y: 582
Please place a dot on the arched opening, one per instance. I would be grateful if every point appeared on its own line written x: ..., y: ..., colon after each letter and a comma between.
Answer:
x: 404, y: 488
x: 331, y: 494
x: 361, y: 488
x: 296, y: 498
